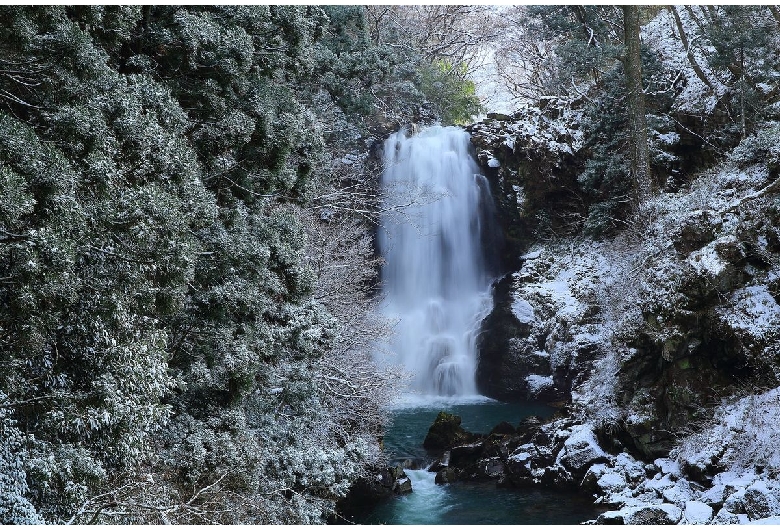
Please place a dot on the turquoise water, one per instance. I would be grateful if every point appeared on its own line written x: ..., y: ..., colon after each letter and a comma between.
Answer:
x: 468, y: 503
x: 405, y: 437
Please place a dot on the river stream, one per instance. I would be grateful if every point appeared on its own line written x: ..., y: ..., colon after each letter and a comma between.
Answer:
x: 468, y: 503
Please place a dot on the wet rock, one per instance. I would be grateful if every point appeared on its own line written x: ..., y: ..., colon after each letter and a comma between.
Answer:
x: 373, y: 489
x: 493, y: 468
x: 412, y: 463
x: 403, y: 486
x: 441, y: 463
x: 541, y: 438
x: 529, y: 423
x: 445, y: 476
x: 446, y: 432
x: 503, y: 363
x: 461, y: 455
x: 503, y: 428
x: 528, y: 428
x: 519, y: 464
x: 391, y: 475
x: 556, y: 477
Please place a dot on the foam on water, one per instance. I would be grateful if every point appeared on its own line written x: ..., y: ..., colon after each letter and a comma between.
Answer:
x: 425, y: 401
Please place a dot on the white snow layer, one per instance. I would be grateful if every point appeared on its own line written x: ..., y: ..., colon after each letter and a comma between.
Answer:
x: 754, y: 310
x: 523, y: 311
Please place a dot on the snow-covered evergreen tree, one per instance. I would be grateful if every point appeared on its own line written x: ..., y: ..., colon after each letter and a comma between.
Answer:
x: 163, y: 349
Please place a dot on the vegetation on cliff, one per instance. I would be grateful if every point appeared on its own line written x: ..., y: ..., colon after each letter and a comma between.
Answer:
x: 657, y: 324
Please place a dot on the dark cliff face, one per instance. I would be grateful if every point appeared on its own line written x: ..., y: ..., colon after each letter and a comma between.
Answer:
x: 532, y: 188
x: 499, y: 367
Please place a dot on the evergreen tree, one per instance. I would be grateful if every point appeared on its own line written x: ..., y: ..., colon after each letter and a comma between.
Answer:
x: 745, y: 46
x: 161, y: 346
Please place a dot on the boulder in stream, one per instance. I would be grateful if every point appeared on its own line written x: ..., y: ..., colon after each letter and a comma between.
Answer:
x: 446, y: 432
x: 403, y: 486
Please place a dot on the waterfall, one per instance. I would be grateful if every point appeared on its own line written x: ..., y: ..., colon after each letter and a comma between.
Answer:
x: 435, y: 278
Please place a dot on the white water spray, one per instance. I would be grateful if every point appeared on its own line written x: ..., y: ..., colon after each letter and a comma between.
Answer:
x: 435, y: 278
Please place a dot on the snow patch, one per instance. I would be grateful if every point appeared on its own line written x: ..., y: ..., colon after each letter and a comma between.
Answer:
x: 697, y: 512
x: 707, y: 261
x: 754, y: 310
x: 523, y: 311
x: 612, y: 481
x: 538, y: 383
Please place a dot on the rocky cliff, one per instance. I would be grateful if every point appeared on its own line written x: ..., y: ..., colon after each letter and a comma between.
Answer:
x: 653, y: 333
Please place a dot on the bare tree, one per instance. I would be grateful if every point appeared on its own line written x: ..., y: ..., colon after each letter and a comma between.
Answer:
x: 525, y: 61
x: 688, y: 49
x: 441, y: 32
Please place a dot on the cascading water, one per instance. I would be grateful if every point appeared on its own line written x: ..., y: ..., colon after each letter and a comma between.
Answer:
x: 437, y: 234
x: 435, y: 278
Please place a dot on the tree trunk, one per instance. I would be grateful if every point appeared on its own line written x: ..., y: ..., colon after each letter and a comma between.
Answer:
x: 695, y: 19
x: 687, y: 45
x: 640, y: 153
x: 742, y: 92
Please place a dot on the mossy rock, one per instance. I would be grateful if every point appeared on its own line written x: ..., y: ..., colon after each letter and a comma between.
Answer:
x: 503, y: 428
x: 446, y: 432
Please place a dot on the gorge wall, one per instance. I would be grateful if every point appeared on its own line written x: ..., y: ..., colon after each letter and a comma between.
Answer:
x: 649, y: 327
x: 659, y: 339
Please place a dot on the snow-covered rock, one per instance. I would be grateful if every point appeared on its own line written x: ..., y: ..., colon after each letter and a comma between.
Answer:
x: 724, y: 516
x: 580, y: 451
x: 735, y: 503
x: 539, y: 383
x: 716, y: 495
x: 760, y: 502
x: 523, y: 311
x: 696, y: 512
x: 644, y: 515
x: 774, y: 521
x: 610, y: 482
x: 678, y: 494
